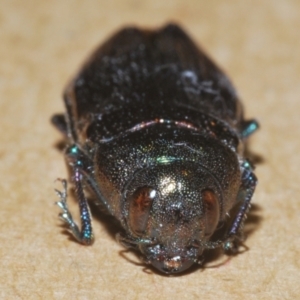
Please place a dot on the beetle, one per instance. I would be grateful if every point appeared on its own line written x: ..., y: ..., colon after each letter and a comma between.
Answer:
x: 156, y: 131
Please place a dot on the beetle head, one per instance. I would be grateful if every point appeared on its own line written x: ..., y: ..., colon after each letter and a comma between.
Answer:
x: 172, y: 209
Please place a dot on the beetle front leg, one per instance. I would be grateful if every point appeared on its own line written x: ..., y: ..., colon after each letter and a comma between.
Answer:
x: 246, y: 191
x: 85, y: 234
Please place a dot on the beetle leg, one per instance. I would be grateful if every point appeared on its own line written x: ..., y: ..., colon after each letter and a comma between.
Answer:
x: 85, y: 235
x: 81, y: 172
x: 247, y: 188
x: 59, y: 121
x: 249, y: 127
x: 77, y: 158
x: 77, y: 163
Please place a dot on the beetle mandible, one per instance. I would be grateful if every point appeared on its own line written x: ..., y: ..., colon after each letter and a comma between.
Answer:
x: 156, y: 131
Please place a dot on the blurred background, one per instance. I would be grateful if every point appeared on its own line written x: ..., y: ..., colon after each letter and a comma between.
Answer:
x: 43, y: 44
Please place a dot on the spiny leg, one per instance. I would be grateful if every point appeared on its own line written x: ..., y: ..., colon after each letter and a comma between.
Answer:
x: 85, y: 234
x: 247, y: 188
x: 65, y: 215
x: 76, y: 157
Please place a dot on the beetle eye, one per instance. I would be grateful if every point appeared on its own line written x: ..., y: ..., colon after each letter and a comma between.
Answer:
x: 140, y: 204
x: 211, y: 209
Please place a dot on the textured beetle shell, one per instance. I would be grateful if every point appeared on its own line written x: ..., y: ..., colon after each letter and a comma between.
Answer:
x: 150, y: 70
x: 138, y: 76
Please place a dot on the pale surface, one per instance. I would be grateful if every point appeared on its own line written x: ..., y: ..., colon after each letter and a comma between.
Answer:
x: 42, y: 45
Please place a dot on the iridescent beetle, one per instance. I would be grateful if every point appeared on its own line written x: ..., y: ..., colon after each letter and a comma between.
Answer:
x: 157, y: 132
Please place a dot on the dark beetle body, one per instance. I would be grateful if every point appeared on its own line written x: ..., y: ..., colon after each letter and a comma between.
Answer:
x: 156, y: 131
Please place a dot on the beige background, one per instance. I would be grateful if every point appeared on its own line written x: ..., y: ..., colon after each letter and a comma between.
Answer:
x: 42, y: 45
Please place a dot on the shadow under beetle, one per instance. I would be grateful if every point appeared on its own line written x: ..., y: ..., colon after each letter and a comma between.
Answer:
x: 157, y: 132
